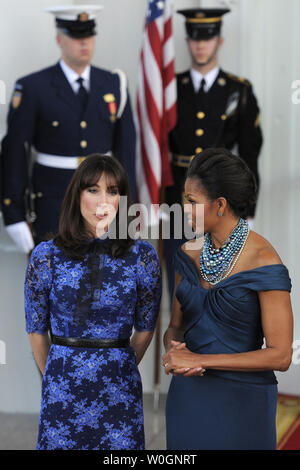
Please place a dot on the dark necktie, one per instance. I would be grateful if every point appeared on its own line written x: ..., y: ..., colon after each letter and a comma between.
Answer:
x: 202, y: 85
x: 82, y: 94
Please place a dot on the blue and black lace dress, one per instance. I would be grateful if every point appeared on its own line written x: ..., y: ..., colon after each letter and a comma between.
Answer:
x: 92, y: 398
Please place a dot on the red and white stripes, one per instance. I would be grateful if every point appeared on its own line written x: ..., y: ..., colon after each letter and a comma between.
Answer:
x: 156, y: 107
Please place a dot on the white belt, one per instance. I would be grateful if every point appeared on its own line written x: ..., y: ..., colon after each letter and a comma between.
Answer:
x: 60, y: 161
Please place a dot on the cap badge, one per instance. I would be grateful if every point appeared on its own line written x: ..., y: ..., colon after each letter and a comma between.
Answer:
x: 200, y: 15
x: 83, y: 17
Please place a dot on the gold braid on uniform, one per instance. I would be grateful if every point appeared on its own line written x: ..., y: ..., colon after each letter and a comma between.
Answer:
x: 238, y: 79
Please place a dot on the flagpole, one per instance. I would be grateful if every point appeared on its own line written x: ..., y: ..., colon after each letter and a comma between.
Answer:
x: 156, y: 117
x: 157, y: 353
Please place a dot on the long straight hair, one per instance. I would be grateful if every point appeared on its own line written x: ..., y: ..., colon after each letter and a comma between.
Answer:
x: 73, y: 236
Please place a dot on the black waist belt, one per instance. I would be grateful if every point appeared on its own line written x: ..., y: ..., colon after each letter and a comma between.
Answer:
x: 90, y: 343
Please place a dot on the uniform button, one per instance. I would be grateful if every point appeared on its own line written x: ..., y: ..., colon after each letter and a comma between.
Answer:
x: 199, y: 150
x: 83, y: 144
x: 7, y: 202
x: 223, y: 117
x: 199, y: 132
x: 83, y: 124
x: 55, y: 123
x: 200, y: 115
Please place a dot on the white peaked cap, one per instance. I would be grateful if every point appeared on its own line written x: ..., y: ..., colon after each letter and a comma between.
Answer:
x: 71, y: 12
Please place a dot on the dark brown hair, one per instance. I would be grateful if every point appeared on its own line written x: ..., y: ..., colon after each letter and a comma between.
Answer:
x: 73, y: 237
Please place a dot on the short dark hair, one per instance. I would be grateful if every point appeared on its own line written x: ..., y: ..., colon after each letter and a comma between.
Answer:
x: 73, y: 236
x: 223, y: 174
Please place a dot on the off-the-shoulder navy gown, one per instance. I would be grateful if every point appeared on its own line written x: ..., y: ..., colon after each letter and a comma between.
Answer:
x: 224, y: 409
x: 92, y: 397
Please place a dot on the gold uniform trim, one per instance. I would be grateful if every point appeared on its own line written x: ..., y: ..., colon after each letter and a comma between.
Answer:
x: 238, y: 79
x: 204, y: 20
x: 80, y: 160
x: 257, y: 121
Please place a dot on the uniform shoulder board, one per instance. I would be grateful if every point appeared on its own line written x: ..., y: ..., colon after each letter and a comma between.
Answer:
x: 18, y: 86
x: 123, y: 91
x: 238, y: 79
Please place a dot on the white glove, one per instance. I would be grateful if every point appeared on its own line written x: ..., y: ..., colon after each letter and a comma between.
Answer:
x: 20, y: 233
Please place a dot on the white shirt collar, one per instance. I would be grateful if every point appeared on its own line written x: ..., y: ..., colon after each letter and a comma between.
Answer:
x: 72, y: 76
x: 210, y: 78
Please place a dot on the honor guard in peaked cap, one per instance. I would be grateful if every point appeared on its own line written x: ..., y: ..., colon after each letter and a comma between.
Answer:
x: 203, y: 23
x: 76, y: 21
x: 215, y: 108
x: 57, y: 117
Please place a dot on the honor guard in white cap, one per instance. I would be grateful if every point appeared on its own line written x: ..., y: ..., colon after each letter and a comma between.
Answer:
x: 215, y: 109
x: 61, y: 114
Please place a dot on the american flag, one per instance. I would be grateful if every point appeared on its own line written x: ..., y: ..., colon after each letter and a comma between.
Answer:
x: 156, y: 105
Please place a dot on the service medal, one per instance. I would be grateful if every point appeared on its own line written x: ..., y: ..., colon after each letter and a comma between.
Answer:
x: 110, y: 99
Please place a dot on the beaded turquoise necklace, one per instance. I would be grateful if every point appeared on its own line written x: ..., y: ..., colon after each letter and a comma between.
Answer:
x: 215, y: 262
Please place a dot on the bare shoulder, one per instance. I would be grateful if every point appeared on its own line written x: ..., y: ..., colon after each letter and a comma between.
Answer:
x: 262, y: 252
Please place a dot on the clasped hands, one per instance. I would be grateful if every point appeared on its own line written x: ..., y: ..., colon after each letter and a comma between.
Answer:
x: 179, y: 360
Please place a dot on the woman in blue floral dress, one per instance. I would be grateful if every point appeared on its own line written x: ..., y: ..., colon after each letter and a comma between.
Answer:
x: 88, y: 292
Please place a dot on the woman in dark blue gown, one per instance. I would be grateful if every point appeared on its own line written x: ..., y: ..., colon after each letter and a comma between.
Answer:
x: 223, y: 392
x: 90, y: 292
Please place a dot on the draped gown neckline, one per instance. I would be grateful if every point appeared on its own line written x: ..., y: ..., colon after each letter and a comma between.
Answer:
x: 196, y: 273
x: 226, y: 318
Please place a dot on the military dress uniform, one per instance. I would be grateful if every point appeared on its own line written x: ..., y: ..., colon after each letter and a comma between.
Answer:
x: 46, y: 115
x: 227, y: 115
